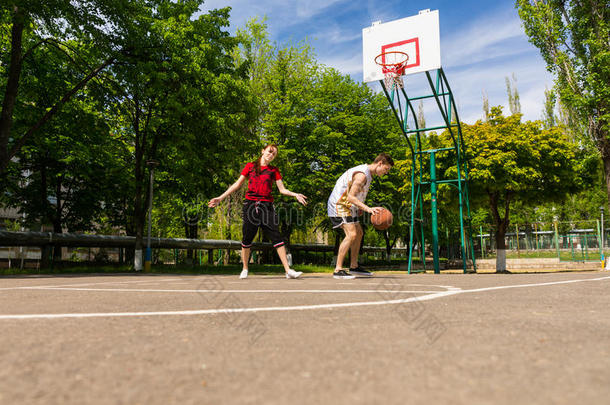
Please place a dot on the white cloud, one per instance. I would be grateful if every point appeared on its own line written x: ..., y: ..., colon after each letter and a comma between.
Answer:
x: 281, y: 13
x: 334, y: 34
x: 485, y: 38
x: 309, y: 8
x: 348, y: 64
x: 532, y: 78
x: 277, y: 11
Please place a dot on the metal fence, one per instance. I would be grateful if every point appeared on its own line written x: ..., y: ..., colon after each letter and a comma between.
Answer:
x: 30, y: 246
x: 571, y: 245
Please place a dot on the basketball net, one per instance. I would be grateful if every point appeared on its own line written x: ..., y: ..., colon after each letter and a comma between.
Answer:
x: 393, y: 65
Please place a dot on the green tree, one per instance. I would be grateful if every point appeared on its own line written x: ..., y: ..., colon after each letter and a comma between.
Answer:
x: 485, y: 105
x: 572, y: 37
x: 513, y: 161
x: 548, y: 113
x: 180, y: 100
x: 65, y: 175
x: 64, y: 181
x: 84, y: 38
x: 514, y: 103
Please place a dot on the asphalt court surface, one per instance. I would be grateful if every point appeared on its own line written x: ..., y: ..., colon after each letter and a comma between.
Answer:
x: 393, y: 338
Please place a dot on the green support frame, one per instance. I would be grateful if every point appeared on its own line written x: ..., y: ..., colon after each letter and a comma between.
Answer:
x: 401, y: 104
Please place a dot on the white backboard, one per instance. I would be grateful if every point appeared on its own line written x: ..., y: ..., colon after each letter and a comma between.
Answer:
x: 418, y: 36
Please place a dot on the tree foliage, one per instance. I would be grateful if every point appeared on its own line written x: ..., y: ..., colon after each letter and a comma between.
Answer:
x: 511, y: 161
x: 81, y: 38
x: 572, y: 37
x: 185, y: 103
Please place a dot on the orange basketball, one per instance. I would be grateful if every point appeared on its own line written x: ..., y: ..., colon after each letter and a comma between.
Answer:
x: 383, y: 220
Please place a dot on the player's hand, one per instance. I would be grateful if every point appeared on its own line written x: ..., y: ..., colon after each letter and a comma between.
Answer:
x: 214, y: 202
x: 375, y: 210
x: 301, y: 198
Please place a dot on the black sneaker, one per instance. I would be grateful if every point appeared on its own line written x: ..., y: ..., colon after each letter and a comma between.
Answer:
x: 359, y: 271
x: 344, y: 275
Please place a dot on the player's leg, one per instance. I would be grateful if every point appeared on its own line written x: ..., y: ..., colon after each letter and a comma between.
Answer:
x: 354, y: 267
x: 355, y: 246
x: 249, y: 229
x: 351, y: 234
x: 270, y: 223
x: 245, y: 259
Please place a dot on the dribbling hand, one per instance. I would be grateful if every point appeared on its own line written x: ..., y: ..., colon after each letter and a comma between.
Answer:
x: 375, y: 210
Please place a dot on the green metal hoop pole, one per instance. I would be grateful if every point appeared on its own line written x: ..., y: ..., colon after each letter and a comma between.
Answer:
x: 401, y: 104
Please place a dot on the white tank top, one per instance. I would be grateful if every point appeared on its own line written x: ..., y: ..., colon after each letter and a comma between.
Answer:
x: 337, y: 205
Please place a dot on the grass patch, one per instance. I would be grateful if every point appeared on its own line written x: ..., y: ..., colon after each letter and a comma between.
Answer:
x: 591, y: 255
x: 169, y: 269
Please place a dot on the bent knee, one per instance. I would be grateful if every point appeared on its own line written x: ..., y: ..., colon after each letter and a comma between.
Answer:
x: 351, y: 235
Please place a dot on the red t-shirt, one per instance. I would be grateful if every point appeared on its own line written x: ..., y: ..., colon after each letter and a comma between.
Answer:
x: 260, y: 185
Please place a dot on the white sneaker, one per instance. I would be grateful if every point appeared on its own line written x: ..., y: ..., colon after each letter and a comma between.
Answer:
x: 293, y: 274
x: 244, y: 273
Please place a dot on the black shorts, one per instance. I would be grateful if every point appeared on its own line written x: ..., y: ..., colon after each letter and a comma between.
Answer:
x: 260, y: 214
x: 338, y: 221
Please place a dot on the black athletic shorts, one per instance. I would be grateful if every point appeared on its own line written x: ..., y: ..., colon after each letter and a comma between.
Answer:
x: 338, y: 221
x: 260, y: 214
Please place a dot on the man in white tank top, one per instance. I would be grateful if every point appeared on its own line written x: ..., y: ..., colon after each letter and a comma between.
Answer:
x: 344, y: 204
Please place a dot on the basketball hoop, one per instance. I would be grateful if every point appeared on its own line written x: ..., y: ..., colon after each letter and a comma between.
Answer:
x: 393, y: 65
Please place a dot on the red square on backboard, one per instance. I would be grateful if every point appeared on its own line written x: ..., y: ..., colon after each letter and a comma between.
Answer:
x: 410, y: 44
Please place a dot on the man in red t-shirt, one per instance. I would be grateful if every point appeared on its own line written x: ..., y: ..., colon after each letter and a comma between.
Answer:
x: 258, y: 209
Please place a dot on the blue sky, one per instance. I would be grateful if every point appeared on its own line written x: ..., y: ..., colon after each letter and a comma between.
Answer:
x: 482, y: 42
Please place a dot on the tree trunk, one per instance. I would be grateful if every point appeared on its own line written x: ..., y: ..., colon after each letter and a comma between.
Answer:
x: 500, y: 234
x: 139, y: 211
x: 44, y: 250
x: 57, y: 228
x: 129, y: 256
x: 12, y: 85
x: 388, y: 245
x: 57, y: 224
x: 187, y: 234
x: 191, y: 233
x: 500, y: 227
x: 138, y: 215
x: 606, y: 160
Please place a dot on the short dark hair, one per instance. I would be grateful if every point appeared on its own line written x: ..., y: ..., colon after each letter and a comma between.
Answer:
x: 385, y: 158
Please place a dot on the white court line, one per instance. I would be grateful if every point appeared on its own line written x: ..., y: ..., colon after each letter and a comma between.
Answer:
x: 84, y: 284
x: 217, y: 291
x: 290, y: 308
x: 229, y: 310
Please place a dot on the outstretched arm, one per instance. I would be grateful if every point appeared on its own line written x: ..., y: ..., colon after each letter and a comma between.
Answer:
x: 284, y: 191
x: 215, y: 201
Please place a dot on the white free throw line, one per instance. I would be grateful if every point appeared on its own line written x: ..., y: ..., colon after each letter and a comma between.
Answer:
x: 218, y: 291
x: 291, y: 308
